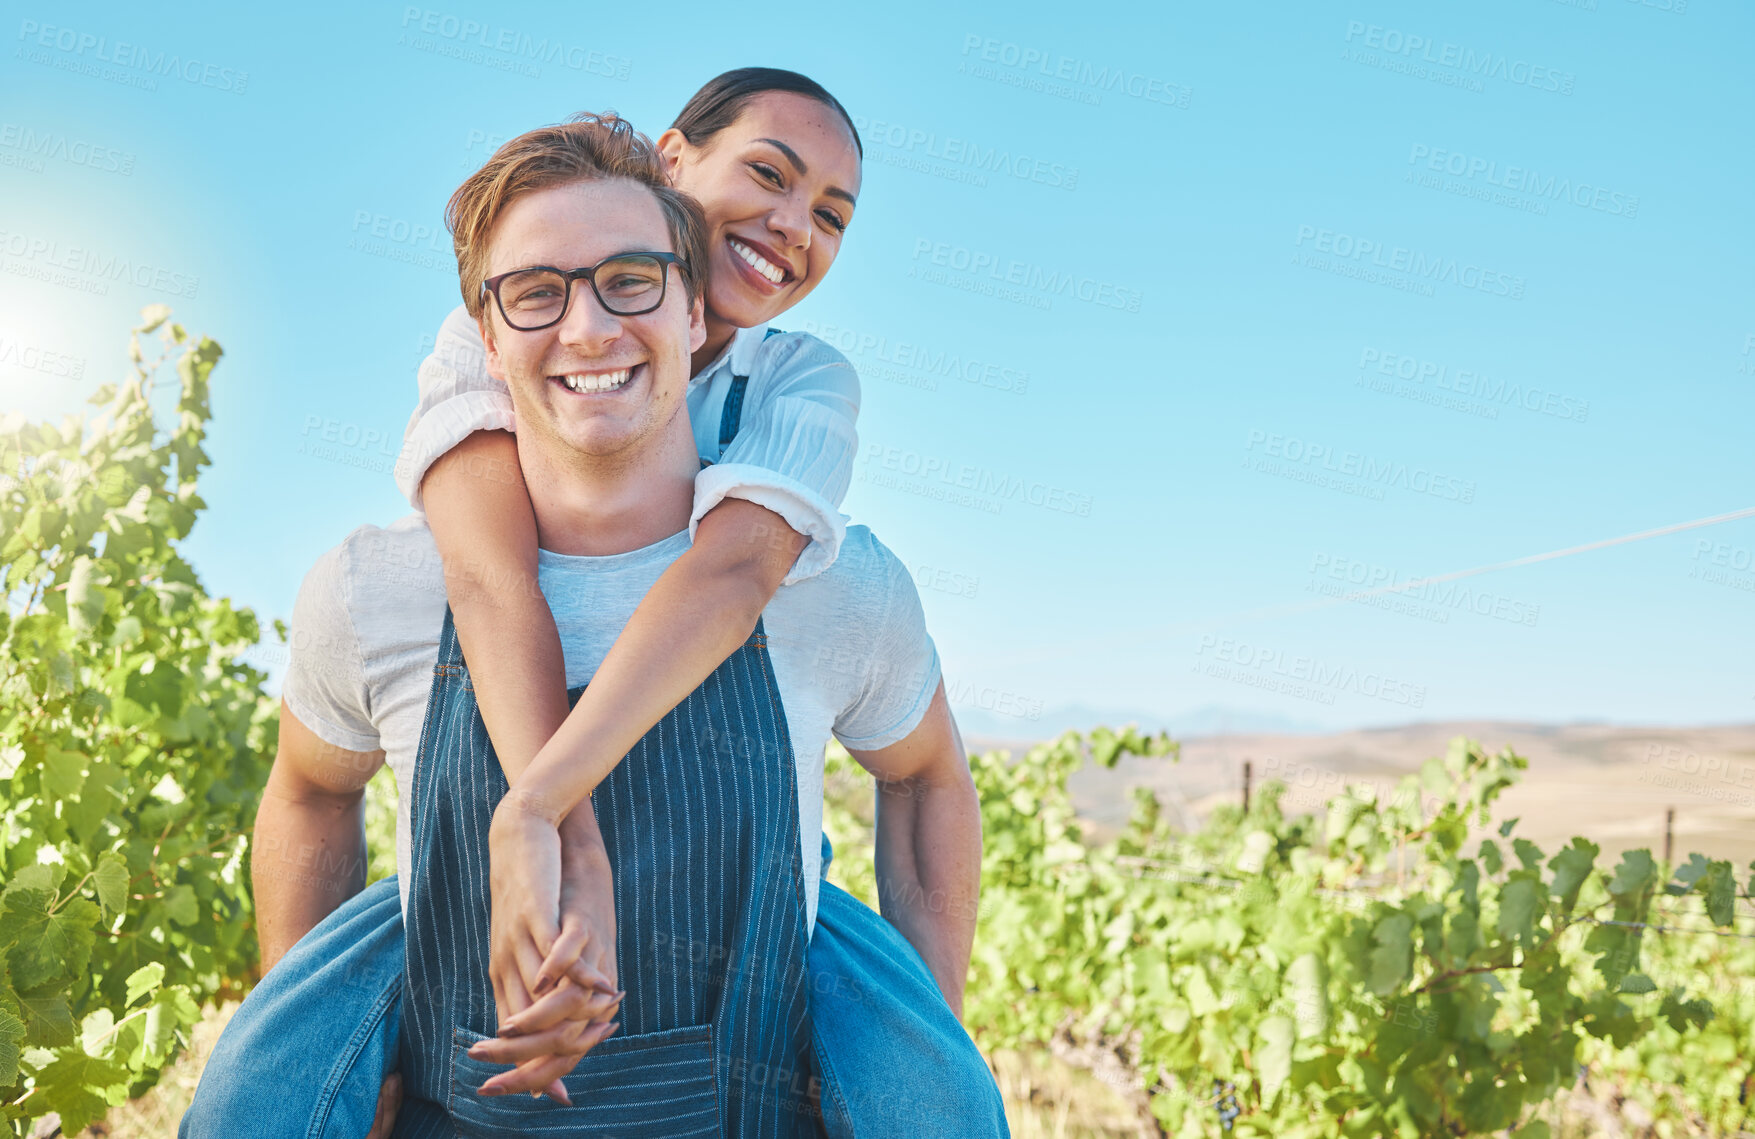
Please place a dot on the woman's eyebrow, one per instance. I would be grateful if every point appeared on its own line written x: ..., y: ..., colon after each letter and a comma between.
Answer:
x: 791, y: 154
x: 799, y: 165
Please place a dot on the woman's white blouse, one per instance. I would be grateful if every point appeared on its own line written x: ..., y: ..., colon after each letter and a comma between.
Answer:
x: 793, y: 452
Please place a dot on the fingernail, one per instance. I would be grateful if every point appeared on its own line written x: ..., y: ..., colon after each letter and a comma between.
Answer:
x: 543, y: 985
x: 511, y: 1030
x: 487, y: 1091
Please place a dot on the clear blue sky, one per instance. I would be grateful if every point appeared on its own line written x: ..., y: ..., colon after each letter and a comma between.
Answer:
x: 1170, y: 317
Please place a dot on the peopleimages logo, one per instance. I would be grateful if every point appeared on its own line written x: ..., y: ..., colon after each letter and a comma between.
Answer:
x: 1305, y: 675
x: 511, y: 42
x: 136, y: 63
x: 1079, y: 73
x: 935, y: 363
x: 76, y: 151
x: 965, y: 154
x: 1412, y: 262
x: 1376, y: 583
x: 1356, y: 465
x: 97, y: 267
x: 1411, y: 47
x: 1473, y: 384
x: 1011, y: 271
x: 1522, y: 180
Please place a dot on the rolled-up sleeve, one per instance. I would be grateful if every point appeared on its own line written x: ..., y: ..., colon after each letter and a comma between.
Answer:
x: 457, y: 398
x: 795, y: 448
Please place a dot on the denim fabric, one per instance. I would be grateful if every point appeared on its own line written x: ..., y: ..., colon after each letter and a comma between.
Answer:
x: 700, y: 821
x: 307, y: 1051
x: 889, y: 1052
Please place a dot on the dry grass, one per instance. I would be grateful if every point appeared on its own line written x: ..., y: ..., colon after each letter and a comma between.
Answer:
x: 155, y: 1114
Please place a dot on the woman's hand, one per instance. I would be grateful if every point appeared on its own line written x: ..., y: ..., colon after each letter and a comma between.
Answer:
x: 554, y: 987
x: 524, y: 876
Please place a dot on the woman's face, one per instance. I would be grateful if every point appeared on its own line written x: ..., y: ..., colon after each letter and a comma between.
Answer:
x: 778, y: 188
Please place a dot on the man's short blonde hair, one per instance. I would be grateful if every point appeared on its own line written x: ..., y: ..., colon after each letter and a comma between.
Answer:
x: 586, y: 148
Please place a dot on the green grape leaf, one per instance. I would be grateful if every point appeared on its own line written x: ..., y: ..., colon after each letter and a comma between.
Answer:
x: 181, y: 906
x: 1719, y: 885
x: 81, y: 1088
x: 144, y: 980
x: 1637, y: 983
x: 1505, y: 827
x: 1273, y: 1056
x: 1520, y: 907
x: 63, y: 772
x: 47, y: 1018
x: 47, y: 944
x: 110, y: 877
x: 1572, y: 866
x: 1307, y: 987
x: 42, y: 876
x: 11, y: 1033
x: 1635, y: 874
x: 1392, y: 957
x: 1490, y: 856
x: 1528, y: 853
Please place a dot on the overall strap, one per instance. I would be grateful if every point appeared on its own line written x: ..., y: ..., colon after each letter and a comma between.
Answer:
x: 732, y: 416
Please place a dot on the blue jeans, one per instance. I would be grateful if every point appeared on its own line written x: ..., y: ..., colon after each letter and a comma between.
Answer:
x: 306, y: 1054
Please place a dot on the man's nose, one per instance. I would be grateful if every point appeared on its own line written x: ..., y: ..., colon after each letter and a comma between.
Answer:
x: 588, y: 325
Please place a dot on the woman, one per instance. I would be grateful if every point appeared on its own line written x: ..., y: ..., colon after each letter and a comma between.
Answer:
x: 774, y: 161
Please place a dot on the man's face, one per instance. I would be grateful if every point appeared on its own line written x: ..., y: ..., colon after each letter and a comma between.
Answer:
x: 566, y: 227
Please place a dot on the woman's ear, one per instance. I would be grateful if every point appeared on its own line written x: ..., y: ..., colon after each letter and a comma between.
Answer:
x: 671, y: 148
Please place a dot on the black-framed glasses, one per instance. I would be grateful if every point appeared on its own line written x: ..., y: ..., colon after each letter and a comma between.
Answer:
x: 627, y: 284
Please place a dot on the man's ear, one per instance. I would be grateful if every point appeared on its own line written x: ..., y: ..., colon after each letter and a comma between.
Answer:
x: 697, y: 323
x: 671, y: 145
x: 495, y: 367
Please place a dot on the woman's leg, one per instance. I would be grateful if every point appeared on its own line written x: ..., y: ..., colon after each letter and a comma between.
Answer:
x: 307, y: 1052
x: 889, y: 1051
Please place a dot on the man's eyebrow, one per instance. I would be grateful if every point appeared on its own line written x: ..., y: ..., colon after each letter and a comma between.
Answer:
x: 798, y: 164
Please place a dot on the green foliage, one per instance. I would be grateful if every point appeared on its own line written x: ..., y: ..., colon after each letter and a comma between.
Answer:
x: 1366, y: 974
x: 133, y: 746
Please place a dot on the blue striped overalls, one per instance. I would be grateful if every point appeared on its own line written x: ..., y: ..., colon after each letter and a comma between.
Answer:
x: 701, y: 825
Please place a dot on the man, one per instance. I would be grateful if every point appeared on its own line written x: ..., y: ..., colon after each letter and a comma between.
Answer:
x: 704, y: 825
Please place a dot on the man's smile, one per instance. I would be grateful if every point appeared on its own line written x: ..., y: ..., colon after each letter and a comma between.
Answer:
x: 596, y: 383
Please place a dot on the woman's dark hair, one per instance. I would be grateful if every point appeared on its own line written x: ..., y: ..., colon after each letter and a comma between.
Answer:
x: 721, y: 100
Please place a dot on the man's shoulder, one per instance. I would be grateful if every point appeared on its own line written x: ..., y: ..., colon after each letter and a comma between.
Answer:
x: 391, y: 573
x: 864, y: 585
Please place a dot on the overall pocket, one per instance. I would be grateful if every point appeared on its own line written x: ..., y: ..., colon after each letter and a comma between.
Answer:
x: 661, y: 1083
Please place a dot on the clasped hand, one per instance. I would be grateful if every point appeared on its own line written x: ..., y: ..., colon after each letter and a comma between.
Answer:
x: 554, y: 980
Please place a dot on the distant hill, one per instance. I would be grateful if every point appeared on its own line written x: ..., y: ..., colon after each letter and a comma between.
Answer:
x: 1210, y: 720
x: 1610, y: 783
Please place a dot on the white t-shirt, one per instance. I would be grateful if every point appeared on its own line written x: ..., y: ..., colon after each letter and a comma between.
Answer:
x: 793, y: 452
x: 849, y: 647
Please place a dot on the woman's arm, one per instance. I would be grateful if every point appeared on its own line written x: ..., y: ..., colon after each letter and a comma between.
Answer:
x: 482, y: 522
